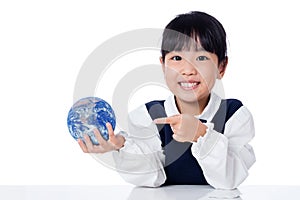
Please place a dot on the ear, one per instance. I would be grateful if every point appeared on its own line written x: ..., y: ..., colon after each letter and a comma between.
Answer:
x: 162, y: 64
x: 222, y: 68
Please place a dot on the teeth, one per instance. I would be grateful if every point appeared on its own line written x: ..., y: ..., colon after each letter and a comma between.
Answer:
x: 188, y: 85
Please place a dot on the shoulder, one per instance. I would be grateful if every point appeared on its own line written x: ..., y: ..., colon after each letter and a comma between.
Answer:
x: 233, y: 102
x: 236, y: 110
x: 236, y: 114
x: 241, y: 124
x: 155, y: 105
x: 141, y: 115
x: 231, y: 105
x: 140, y: 123
x: 243, y: 114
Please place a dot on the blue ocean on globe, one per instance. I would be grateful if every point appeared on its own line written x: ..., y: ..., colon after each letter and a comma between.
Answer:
x: 87, y: 114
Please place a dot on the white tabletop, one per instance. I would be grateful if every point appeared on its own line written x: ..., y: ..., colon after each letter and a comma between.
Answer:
x: 126, y: 192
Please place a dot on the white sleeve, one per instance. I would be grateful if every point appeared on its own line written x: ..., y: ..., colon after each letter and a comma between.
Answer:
x: 226, y: 158
x: 140, y: 161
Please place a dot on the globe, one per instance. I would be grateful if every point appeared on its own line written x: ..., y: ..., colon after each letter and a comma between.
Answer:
x: 88, y: 114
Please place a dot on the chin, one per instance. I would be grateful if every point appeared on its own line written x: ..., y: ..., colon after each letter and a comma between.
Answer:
x: 188, y: 98
x: 192, y: 98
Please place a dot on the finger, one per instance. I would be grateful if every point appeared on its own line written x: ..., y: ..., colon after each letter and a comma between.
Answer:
x: 173, y: 129
x: 98, y: 136
x: 167, y: 120
x: 111, y: 133
x: 162, y: 120
x: 88, y: 143
x: 82, y: 146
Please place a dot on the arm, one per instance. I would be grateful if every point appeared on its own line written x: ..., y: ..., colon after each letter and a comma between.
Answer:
x: 138, y: 157
x: 140, y: 166
x: 226, y: 159
x: 140, y: 161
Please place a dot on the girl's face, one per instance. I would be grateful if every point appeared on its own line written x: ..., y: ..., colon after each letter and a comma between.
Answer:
x: 190, y: 75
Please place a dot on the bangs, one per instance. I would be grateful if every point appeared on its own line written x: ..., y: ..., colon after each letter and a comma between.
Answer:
x: 195, y: 31
x: 177, y: 41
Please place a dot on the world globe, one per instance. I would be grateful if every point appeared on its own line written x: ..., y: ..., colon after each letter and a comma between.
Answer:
x: 88, y: 114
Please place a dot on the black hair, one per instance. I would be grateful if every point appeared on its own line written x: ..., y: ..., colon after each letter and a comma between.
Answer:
x: 191, y: 29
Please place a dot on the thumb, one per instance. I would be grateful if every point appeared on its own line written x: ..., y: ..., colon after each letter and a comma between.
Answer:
x: 116, y: 140
x: 110, y: 130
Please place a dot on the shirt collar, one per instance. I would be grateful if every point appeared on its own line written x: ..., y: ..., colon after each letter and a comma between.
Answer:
x: 207, y: 114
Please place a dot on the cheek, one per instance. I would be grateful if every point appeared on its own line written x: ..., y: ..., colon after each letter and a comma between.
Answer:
x: 209, y: 73
x: 170, y: 75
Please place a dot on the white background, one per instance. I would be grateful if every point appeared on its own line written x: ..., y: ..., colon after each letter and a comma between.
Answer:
x: 44, y: 44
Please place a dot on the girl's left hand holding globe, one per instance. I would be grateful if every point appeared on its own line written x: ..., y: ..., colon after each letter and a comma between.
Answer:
x: 115, y: 142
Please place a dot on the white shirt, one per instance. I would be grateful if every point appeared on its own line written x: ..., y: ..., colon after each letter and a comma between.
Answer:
x: 224, y: 158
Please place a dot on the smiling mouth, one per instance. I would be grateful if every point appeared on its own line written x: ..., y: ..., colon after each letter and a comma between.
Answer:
x: 189, y: 85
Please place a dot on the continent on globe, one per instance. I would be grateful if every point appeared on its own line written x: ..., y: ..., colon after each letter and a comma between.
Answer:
x: 87, y: 114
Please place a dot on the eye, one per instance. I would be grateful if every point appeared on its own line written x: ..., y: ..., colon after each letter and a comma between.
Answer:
x: 201, y: 58
x: 176, y: 58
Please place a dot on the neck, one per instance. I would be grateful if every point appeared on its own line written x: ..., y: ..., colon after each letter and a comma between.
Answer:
x: 192, y: 108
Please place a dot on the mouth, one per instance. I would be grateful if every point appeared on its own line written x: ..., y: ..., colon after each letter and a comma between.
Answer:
x: 191, y: 85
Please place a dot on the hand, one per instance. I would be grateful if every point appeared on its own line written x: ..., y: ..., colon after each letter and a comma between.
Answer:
x: 115, y: 142
x: 186, y: 127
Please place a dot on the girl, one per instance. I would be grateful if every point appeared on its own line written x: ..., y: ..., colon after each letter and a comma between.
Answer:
x: 194, y: 136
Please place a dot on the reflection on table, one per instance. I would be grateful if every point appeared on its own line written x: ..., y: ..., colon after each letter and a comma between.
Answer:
x: 184, y: 192
x: 127, y: 192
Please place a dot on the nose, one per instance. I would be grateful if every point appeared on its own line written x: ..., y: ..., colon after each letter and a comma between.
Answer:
x: 188, y: 68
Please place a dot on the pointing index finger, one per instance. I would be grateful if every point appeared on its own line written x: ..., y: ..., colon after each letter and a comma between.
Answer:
x: 163, y: 120
x: 166, y: 120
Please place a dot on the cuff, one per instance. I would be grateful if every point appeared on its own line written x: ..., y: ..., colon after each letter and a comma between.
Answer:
x: 205, y: 144
x: 123, y: 133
